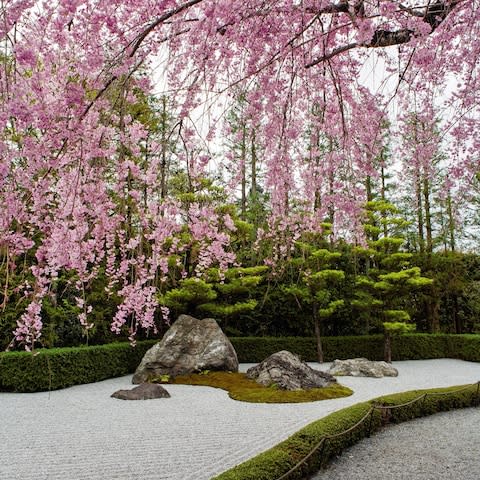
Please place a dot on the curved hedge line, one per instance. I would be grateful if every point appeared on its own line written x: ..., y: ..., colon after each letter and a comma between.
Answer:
x: 274, y: 463
x: 55, y: 368
x: 62, y: 367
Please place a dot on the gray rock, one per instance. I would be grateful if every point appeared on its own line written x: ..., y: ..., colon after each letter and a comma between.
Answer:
x: 362, y: 367
x: 288, y: 372
x: 190, y: 345
x: 145, y: 391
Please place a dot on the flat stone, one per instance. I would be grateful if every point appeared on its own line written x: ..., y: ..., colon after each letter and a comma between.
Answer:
x: 144, y: 391
x: 288, y: 372
x: 362, y: 367
x: 189, y: 346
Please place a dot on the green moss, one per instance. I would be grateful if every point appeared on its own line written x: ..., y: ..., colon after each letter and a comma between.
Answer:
x: 273, y: 463
x: 239, y: 387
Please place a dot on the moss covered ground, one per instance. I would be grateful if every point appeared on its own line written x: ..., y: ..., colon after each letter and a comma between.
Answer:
x: 239, y: 387
x: 345, y: 428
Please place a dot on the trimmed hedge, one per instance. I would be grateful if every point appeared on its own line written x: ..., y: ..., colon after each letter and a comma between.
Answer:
x: 62, y: 367
x: 464, y: 347
x: 275, y: 462
x: 55, y: 368
x: 417, y: 346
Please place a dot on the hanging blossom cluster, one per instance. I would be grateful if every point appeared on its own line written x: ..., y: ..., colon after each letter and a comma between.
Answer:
x: 77, y: 191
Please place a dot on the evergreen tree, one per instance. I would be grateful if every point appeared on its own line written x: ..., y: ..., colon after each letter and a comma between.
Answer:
x: 317, y: 286
x: 386, y: 281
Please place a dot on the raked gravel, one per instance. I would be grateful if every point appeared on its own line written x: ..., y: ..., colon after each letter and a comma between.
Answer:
x: 80, y: 433
x: 444, y: 446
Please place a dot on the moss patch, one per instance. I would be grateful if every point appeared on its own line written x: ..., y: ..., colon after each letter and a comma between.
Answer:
x: 239, y: 387
x: 273, y: 463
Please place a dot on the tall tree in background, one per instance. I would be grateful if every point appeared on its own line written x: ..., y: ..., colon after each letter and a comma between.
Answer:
x: 69, y: 164
x: 319, y: 274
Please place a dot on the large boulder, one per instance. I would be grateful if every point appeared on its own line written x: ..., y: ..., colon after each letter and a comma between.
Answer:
x: 189, y: 346
x: 145, y: 391
x: 288, y: 372
x: 362, y: 367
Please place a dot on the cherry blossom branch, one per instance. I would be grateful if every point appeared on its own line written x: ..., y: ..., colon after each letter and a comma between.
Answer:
x: 434, y: 15
x: 160, y: 20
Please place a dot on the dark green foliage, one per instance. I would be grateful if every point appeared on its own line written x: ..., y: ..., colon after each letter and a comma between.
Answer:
x: 251, y: 349
x: 454, y: 295
x: 433, y: 401
x: 186, y: 298
x: 256, y: 349
x: 406, y: 347
x: 62, y: 367
x: 453, y: 300
x: 60, y: 316
x: 224, y: 297
x: 233, y: 296
x: 61, y: 327
x: 466, y: 347
x: 422, y: 347
x: 275, y: 462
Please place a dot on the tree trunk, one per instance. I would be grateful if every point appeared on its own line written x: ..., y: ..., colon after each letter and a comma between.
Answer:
x: 318, y: 338
x: 164, y: 142
x: 420, y: 226
x: 433, y: 317
x: 331, y: 208
x: 387, y: 346
x: 243, y: 161
x: 384, y: 198
x: 456, y: 318
x: 253, y: 170
x: 451, y: 223
x: 368, y: 188
x: 428, y: 215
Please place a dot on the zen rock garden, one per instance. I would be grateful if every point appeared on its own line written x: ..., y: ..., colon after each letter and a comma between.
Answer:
x: 189, y: 346
x: 144, y: 391
x: 361, y: 367
x: 288, y: 372
x: 195, y: 346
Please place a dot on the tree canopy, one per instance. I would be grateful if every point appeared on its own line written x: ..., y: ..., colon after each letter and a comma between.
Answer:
x: 84, y: 152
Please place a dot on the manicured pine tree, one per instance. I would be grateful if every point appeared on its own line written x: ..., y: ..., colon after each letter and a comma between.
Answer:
x: 316, y: 286
x: 223, y: 296
x: 385, y: 287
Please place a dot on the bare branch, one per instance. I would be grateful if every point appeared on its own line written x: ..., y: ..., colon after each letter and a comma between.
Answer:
x: 332, y: 54
x: 411, y: 11
x: 160, y: 20
x: 385, y: 38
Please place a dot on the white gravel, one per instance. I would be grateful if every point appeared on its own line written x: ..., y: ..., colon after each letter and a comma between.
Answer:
x: 81, y: 433
x: 444, y: 446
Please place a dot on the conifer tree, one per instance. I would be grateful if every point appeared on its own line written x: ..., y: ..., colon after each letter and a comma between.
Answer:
x: 385, y: 287
x: 316, y: 286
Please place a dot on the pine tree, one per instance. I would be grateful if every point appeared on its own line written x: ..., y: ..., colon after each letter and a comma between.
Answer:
x: 316, y: 286
x: 385, y: 281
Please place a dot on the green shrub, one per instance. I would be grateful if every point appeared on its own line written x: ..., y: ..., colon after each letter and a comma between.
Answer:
x: 273, y: 463
x: 256, y: 349
x: 55, y: 368
x: 464, y: 347
x: 50, y: 369
x: 415, y: 346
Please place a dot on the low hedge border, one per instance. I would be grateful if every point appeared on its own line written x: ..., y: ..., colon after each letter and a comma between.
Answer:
x: 55, y: 368
x: 275, y: 463
x: 417, y: 346
x: 63, y: 367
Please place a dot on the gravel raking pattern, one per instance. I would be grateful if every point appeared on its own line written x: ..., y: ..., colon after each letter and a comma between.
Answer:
x: 80, y: 433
